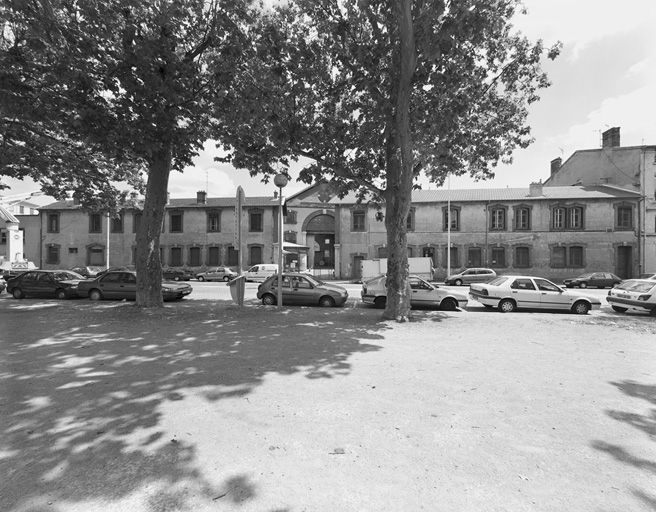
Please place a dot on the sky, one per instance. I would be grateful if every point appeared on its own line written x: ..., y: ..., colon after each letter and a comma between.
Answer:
x: 604, y: 77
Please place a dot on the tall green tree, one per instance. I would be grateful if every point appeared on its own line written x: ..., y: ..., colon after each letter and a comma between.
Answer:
x: 113, y: 89
x: 375, y: 94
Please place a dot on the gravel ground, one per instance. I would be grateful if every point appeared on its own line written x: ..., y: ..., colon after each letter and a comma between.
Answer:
x: 208, y: 407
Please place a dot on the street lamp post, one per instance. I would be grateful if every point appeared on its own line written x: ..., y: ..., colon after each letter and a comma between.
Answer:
x: 280, y: 181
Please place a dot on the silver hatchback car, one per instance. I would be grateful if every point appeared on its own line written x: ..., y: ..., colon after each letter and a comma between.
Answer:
x: 471, y: 275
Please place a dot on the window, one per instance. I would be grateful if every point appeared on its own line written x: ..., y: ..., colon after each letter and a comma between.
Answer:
x: 136, y: 221
x: 95, y: 223
x: 194, y: 256
x: 498, y: 219
x: 474, y: 258
x: 454, y: 257
x: 522, y: 218
x: 410, y: 221
x: 290, y: 218
x: 213, y: 221
x: 117, y: 224
x: 233, y: 257
x: 72, y: 250
x: 255, y: 221
x: 558, y: 221
x: 3, y: 237
x: 53, y: 223
x: 357, y: 220
x: 213, y: 256
x: 455, y: 219
x: 522, y: 257
x: 522, y: 284
x: 52, y: 255
x: 568, y: 256
x: 176, y: 257
x: 575, y: 218
x: 624, y: 217
x: 255, y: 254
x: 498, y: 257
x: 175, y: 222
x: 96, y: 255
x: 382, y: 252
x: 567, y: 217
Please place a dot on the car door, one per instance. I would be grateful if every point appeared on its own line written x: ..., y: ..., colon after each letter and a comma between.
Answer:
x: 110, y: 285
x: 525, y: 293
x: 423, y: 294
x: 28, y: 283
x: 597, y: 279
x: 302, y: 292
x: 128, y: 286
x: 551, y: 296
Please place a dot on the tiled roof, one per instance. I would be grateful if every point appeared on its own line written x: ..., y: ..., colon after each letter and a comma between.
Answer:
x: 511, y: 194
x: 212, y: 202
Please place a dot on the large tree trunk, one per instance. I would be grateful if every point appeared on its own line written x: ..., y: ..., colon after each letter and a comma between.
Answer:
x: 400, y: 164
x: 149, y: 265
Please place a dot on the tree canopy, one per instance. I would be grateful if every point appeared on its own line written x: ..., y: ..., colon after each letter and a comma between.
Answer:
x: 377, y: 93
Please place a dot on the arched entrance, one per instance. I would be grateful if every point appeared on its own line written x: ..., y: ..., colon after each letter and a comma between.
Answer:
x: 319, y: 228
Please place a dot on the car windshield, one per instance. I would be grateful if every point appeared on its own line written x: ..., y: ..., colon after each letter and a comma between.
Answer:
x: 498, y: 281
x: 584, y: 276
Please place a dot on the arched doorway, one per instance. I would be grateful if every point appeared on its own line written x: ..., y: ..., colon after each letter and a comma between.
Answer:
x: 320, y: 238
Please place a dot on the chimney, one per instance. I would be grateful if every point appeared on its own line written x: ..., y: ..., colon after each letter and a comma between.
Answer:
x: 611, y: 138
x: 535, y: 189
x: 201, y: 197
x: 555, y: 165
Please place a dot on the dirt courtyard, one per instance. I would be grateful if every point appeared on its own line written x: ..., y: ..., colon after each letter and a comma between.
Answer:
x: 209, y: 407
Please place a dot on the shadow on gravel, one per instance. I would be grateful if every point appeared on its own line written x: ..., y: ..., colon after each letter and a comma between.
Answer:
x: 82, y: 384
x: 644, y: 422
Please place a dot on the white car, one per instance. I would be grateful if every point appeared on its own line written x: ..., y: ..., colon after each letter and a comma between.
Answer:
x: 634, y: 295
x: 508, y: 293
x: 424, y: 294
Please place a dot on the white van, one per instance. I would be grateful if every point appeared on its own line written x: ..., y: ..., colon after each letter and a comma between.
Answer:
x: 261, y: 271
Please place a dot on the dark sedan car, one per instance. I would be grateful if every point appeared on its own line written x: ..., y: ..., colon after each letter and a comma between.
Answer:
x: 123, y: 285
x: 593, y: 280
x: 177, y: 274
x: 301, y: 289
x: 60, y: 284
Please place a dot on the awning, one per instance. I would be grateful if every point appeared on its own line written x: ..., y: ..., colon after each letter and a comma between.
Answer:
x: 294, y: 248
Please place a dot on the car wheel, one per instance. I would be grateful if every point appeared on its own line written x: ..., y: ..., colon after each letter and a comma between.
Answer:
x: 581, y: 308
x: 380, y: 302
x: 268, y: 300
x: 619, y: 309
x: 60, y: 294
x: 201, y: 278
x: 95, y: 294
x: 583, y: 285
x: 18, y: 293
x: 449, y: 304
x: 507, y: 306
x: 458, y: 282
x: 226, y: 278
x: 326, y: 302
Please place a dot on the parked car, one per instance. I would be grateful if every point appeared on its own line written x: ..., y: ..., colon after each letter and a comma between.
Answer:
x: 89, y: 271
x: 593, y: 280
x: 471, y: 275
x: 122, y: 284
x: 633, y: 295
x: 3, y: 285
x: 508, y: 293
x: 301, y: 289
x: 374, y: 291
x: 217, y: 274
x: 177, y: 274
x: 648, y: 275
x: 60, y: 284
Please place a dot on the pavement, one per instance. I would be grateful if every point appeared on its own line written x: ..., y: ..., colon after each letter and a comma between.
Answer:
x: 205, y: 406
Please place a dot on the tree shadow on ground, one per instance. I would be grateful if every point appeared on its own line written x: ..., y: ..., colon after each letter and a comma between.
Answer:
x: 82, y: 384
x: 643, y: 422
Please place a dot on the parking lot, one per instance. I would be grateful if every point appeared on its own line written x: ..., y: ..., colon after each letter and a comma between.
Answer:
x: 207, y: 406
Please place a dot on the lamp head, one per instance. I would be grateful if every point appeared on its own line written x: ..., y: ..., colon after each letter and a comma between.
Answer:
x: 280, y: 180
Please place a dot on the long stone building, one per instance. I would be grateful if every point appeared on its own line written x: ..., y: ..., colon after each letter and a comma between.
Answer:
x: 595, y: 212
